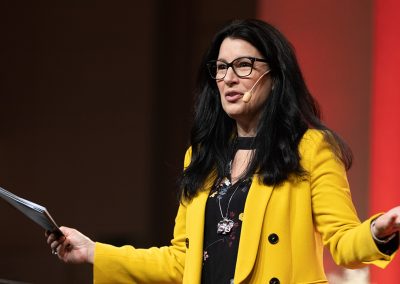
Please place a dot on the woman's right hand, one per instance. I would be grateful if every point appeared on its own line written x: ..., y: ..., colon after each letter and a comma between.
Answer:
x: 73, y: 247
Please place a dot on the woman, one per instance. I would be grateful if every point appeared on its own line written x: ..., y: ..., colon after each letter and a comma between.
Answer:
x: 264, y: 185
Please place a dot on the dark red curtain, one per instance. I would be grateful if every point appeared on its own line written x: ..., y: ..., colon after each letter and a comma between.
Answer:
x: 385, y: 126
x: 350, y: 55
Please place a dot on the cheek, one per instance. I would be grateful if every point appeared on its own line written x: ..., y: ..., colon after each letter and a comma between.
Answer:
x: 262, y: 98
x: 220, y: 85
x: 264, y: 92
x: 259, y: 99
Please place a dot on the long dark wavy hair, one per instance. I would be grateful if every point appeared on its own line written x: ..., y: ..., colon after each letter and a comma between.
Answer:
x: 288, y: 112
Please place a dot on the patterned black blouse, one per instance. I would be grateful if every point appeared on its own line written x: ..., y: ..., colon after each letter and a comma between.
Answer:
x: 223, y: 223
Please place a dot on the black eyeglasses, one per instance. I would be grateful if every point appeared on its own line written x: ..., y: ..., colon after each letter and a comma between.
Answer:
x: 242, y: 66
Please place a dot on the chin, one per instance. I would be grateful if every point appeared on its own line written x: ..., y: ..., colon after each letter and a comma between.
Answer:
x: 235, y: 114
x: 233, y: 109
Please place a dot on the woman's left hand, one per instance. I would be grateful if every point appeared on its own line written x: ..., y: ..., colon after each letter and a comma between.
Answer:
x: 387, y: 224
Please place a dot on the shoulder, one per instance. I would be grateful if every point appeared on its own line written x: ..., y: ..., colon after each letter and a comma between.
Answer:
x: 311, y: 138
x: 316, y: 148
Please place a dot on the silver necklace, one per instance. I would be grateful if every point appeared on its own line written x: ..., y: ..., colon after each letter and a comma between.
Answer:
x: 225, y: 225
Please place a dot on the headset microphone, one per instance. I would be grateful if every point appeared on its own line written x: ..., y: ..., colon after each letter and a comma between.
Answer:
x: 247, y: 95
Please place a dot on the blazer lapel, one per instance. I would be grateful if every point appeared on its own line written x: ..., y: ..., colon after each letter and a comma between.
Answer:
x: 195, y: 229
x: 253, y: 217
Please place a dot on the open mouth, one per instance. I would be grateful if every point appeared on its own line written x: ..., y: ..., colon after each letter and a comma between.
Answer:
x: 233, y: 96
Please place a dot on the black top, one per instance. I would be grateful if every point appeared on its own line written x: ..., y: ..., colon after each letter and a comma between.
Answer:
x: 221, y: 242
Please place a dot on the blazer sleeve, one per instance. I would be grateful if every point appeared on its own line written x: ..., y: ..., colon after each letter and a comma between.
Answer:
x: 349, y: 241
x: 153, y: 265
x: 128, y: 264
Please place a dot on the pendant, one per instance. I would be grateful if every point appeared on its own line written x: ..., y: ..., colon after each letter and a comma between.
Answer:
x: 224, y: 226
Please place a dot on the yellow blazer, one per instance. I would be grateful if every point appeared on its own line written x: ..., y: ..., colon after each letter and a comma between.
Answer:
x: 283, y: 232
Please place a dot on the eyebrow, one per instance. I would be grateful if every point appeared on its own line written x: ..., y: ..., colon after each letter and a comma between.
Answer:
x: 243, y: 56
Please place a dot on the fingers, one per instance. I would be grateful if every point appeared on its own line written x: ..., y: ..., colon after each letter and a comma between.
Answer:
x: 54, y: 245
x: 396, y: 222
x: 391, y: 221
x: 65, y: 230
x: 387, y: 224
x: 52, y: 238
x: 73, y: 247
x: 54, y: 242
x: 61, y: 248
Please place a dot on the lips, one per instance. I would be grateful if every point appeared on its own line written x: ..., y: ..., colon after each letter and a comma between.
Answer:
x: 233, y: 96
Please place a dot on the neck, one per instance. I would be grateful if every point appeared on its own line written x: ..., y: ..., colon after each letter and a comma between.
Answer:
x: 247, y: 127
x: 245, y: 143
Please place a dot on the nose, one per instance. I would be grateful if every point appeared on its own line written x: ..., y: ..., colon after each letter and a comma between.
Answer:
x: 230, y: 76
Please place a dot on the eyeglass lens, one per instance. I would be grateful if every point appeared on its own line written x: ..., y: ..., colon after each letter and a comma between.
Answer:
x: 241, y: 66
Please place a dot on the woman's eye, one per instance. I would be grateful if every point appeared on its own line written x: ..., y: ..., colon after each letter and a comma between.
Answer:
x: 221, y: 66
x: 244, y: 64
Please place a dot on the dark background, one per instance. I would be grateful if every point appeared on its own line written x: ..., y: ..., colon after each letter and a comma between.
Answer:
x: 96, y: 102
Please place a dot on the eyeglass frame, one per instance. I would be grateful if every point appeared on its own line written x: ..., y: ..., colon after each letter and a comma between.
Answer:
x: 252, y: 59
